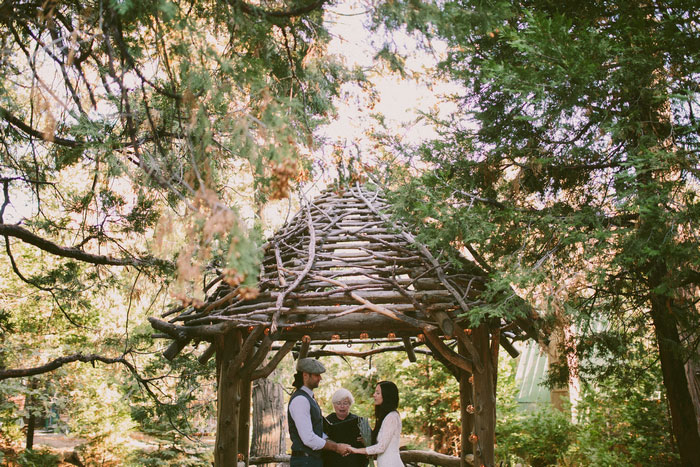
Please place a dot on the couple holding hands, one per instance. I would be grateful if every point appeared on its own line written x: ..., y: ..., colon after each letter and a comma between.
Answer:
x: 311, y: 447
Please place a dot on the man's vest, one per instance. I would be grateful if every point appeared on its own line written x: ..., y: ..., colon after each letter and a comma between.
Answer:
x: 316, y: 424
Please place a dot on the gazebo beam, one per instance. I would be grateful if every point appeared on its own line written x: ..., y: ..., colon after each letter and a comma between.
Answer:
x: 366, y: 353
x: 265, y: 371
x: 304, y: 347
x: 410, y: 353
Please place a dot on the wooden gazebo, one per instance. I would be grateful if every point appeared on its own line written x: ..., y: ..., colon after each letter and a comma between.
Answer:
x: 342, y: 269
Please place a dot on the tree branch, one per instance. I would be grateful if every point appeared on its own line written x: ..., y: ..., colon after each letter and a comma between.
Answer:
x: 19, y: 124
x: 59, y: 362
x: 16, y: 231
x: 279, y: 14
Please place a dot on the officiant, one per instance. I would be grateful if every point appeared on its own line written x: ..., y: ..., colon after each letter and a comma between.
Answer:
x: 343, y: 427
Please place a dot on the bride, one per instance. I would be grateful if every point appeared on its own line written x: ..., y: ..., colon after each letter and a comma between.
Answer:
x: 387, y: 431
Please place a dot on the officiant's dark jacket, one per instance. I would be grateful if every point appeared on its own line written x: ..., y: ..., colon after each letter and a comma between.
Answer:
x: 344, y: 431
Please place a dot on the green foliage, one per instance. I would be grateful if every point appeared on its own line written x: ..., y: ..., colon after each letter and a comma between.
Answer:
x: 624, y: 425
x: 99, y: 414
x: 129, y: 131
x: 188, y: 407
x: 10, y: 414
x: 617, y: 423
x: 37, y: 458
x: 169, y: 457
x: 539, y: 438
x: 570, y: 169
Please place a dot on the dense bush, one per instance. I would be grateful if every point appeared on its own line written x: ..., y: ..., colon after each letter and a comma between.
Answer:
x: 617, y: 424
x: 538, y: 438
x: 168, y: 457
x: 37, y: 458
x: 624, y: 426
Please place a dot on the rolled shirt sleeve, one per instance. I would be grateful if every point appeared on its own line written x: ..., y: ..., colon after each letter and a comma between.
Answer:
x: 390, y: 426
x: 300, y: 411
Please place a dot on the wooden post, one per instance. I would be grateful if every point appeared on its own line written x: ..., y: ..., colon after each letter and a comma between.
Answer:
x: 484, y: 401
x: 228, y: 400
x: 465, y: 400
x: 244, y: 419
x: 304, y: 349
x: 409, y: 349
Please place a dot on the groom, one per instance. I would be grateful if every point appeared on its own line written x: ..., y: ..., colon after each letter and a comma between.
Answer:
x: 305, y: 419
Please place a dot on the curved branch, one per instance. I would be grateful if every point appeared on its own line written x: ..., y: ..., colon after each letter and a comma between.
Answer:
x: 59, y: 362
x: 265, y: 371
x: 366, y: 353
x: 301, y: 276
x: 19, y: 124
x: 279, y: 14
x: 16, y: 231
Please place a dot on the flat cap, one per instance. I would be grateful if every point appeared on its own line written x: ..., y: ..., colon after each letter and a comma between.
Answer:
x: 310, y: 365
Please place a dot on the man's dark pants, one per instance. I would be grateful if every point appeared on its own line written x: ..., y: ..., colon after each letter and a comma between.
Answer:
x: 305, y: 462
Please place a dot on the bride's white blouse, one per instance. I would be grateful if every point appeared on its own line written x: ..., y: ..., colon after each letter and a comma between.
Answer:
x: 388, y: 439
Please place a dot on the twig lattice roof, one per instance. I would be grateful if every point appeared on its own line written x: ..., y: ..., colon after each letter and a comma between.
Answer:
x: 340, y: 269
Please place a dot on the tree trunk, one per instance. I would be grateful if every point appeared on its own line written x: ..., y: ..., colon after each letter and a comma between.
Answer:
x: 692, y: 372
x: 692, y: 366
x: 31, y: 425
x: 244, y: 420
x: 228, y: 401
x: 683, y: 417
x: 31, y: 418
x: 465, y: 400
x: 484, y: 401
x: 269, y: 419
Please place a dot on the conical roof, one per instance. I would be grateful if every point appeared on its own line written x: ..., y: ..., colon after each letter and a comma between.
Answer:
x: 341, y: 268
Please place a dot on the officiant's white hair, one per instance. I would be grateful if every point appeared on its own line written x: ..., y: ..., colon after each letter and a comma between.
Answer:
x: 342, y: 394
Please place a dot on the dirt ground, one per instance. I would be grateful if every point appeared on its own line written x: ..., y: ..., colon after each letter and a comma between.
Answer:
x: 56, y: 441
x: 64, y: 443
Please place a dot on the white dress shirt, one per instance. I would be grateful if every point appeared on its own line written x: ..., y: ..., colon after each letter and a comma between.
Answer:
x: 300, y: 411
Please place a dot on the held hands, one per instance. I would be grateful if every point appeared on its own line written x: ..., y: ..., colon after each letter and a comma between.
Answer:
x: 344, y: 449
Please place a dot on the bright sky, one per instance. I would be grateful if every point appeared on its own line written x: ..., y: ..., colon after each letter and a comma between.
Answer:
x: 400, y: 100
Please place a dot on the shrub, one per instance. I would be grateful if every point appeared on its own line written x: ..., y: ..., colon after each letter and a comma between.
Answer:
x: 539, y: 438
x: 624, y: 426
x: 37, y: 458
x: 169, y: 457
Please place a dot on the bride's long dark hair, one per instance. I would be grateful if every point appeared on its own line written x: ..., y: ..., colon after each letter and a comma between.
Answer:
x: 390, y: 402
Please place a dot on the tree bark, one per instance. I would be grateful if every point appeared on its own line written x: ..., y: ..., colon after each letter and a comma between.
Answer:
x: 31, y: 418
x: 244, y: 420
x: 692, y: 366
x: 31, y: 425
x: 465, y: 400
x: 269, y: 419
x: 484, y: 401
x: 683, y: 417
x: 692, y: 372
x: 228, y: 400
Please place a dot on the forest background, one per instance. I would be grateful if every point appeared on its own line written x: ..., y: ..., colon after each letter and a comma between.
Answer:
x: 147, y: 144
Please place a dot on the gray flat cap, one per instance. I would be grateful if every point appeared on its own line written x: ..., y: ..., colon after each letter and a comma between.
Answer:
x: 310, y: 365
